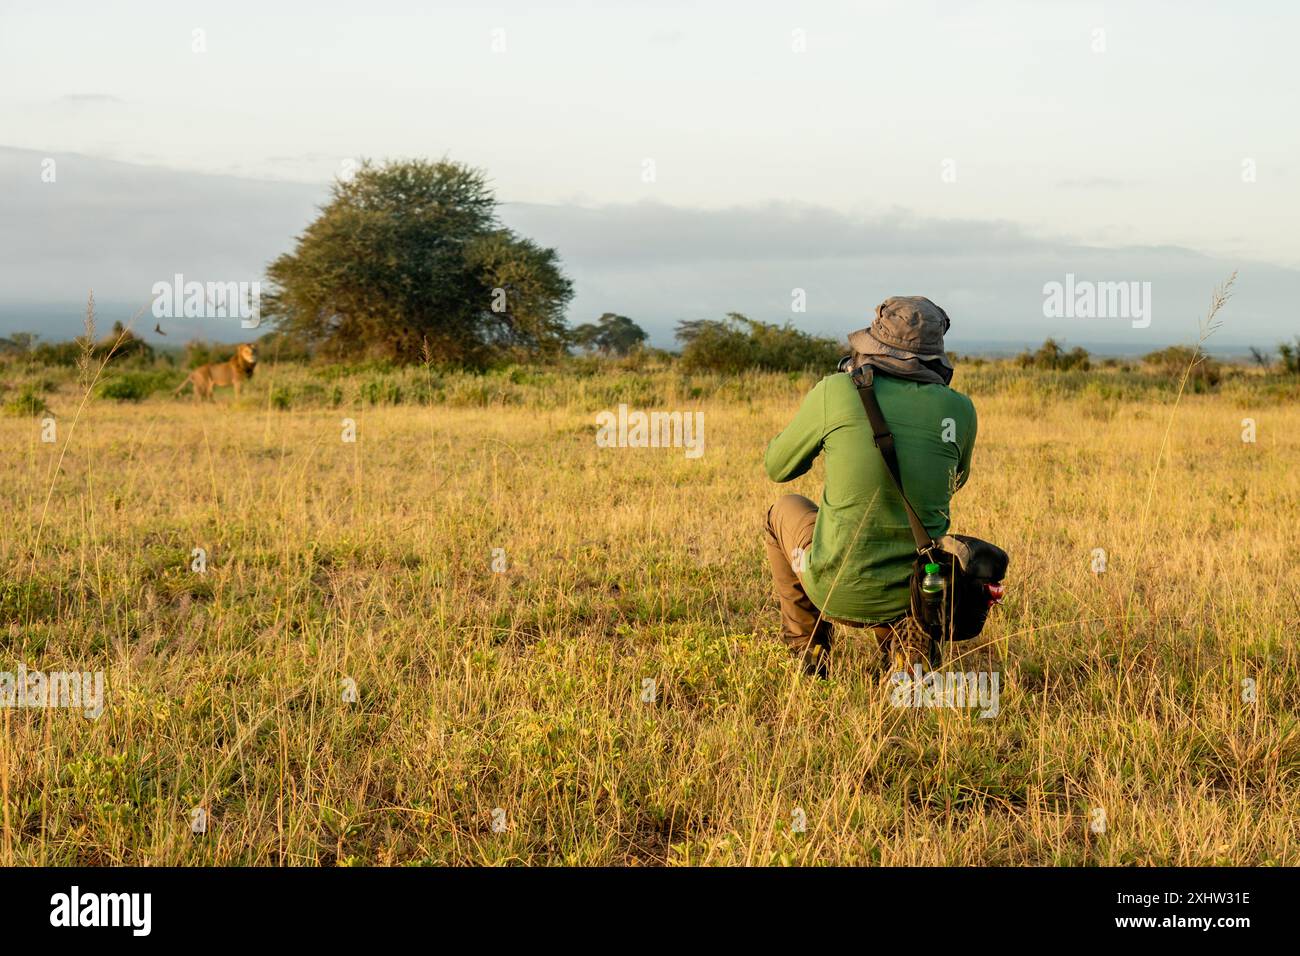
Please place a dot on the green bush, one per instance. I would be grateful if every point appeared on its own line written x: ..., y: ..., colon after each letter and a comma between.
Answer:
x: 333, y: 372
x: 738, y: 343
x: 424, y: 391
x: 381, y: 392
x: 133, y: 386
x: 1173, y: 361
x: 1290, y: 356
x: 66, y: 354
x: 199, y: 352
x: 27, y: 403
x: 1051, y: 355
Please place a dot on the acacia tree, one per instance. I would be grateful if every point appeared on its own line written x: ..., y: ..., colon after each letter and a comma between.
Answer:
x: 408, y: 260
x: 612, y: 334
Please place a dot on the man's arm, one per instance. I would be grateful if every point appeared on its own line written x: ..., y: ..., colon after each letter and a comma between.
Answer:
x: 967, y: 449
x: 791, y: 453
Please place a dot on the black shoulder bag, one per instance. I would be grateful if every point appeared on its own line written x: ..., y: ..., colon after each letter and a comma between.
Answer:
x: 972, y: 569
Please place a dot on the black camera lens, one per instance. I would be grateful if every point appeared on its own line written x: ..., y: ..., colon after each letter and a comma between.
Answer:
x: 846, y: 364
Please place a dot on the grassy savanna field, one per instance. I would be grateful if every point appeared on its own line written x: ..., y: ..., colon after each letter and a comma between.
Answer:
x: 516, y: 696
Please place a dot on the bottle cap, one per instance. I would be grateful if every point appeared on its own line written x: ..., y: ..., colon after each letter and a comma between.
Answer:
x: 932, y: 568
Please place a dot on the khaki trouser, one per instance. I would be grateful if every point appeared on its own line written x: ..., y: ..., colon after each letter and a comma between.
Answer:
x: 789, y: 535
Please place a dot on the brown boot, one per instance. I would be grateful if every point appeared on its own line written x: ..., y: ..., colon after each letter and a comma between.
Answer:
x: 816, y: 661
x: 908, y: 645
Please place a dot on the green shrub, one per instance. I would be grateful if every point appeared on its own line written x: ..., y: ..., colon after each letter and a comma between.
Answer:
x: 425, y: 391
x: 133, y: 386
x: 199, y: 353
x: 1290, y: 356
x: 738, y: 343
x: 333, y: 372
x: 121, y: 345
x: 380, y: 391
x: 1052, y: 356
x: 1173, y: 361
x: 23, y: 601
x: 27, y: 403
x: 66, y: 354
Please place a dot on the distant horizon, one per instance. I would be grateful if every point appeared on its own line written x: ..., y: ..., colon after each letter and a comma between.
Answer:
x: 228, y: 332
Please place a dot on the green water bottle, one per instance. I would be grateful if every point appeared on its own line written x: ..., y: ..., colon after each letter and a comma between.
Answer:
x: 932, y: 588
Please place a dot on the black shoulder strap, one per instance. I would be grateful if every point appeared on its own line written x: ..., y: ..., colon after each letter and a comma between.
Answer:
x: 863, y: 378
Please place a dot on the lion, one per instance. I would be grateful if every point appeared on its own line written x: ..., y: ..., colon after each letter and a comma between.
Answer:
x: 232, y: 372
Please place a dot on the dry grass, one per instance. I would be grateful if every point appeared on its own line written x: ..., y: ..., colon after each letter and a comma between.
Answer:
x: 522, y: 690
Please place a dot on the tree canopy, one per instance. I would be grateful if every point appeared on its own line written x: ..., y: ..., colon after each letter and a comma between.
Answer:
x: 408, y: 261
x: 612, y: 334
x: 1052, y: 355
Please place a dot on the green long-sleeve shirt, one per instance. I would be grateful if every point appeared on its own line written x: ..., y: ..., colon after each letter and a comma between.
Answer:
x: 856, y: 569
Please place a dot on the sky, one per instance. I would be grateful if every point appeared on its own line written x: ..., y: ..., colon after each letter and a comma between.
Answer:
x: 685, y: 159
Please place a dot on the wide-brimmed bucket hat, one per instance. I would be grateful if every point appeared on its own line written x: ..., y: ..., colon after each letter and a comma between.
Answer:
x: 905, y: 339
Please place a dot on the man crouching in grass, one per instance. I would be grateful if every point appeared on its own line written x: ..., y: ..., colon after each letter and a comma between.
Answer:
x: 849, y: 560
